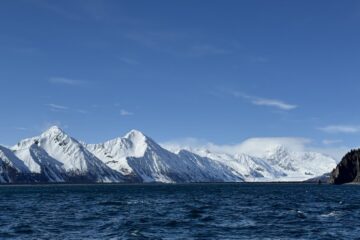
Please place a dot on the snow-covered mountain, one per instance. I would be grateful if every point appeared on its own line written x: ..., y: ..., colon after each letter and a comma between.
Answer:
x: 61, y: 158
x: 10, y: 166
x: 275, y: 163
x: 252, y: 169
x: 54, y: 156
x: 299, y: 166
x: 114, y: 153
x: 137, y: 154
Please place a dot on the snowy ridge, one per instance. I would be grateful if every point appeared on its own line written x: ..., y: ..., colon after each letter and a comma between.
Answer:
x: 272, y: 163
x: 252, y: 168
x: 139, y: 155
x: 10, y: 166
x: 114, y: 153
x: 60, y: 158
x: 300, y: 166
x: 54, y: 156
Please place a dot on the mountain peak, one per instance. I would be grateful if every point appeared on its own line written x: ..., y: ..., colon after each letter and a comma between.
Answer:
x: 277, y: 149
x: 53, y: 130
x: 135, y: 134
x: 139, y: 158
x: 141, y: 141
x: 54, y: 133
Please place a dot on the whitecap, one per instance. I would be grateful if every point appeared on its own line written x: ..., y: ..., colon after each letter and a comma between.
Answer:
x: 330, y: 214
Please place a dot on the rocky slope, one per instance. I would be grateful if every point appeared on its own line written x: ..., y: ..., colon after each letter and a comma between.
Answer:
x: 348, y: 170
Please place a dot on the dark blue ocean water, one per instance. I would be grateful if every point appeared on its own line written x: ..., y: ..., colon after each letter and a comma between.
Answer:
x: 194, y: 211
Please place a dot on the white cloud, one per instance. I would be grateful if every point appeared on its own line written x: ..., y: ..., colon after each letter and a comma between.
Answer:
x: 185, y: 143
x: 56, y: 107
x: 66, y: 81
x: 252, y: 146
x: 336, y: 152
x: 273, y: 103
x: 124, y: 112
x: 266, y: 101
x: 257, y: 146
x: 46, y: 125
x: 340, y: 129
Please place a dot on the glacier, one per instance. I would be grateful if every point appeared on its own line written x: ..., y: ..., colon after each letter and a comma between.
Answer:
x: 56, y: 157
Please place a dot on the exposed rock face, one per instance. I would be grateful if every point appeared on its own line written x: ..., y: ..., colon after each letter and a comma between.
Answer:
x: 325, y: 178
x: 348, y: 170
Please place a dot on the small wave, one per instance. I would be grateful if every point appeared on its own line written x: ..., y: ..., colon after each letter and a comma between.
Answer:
x: 134, y: 202
x: 330, y: 214
x: 300, y: 214
x: 137, y: 234
x: 293, y: 212
x: 219, y: 212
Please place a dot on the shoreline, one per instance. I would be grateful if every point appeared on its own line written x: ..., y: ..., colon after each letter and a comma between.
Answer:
x: 159, y: 184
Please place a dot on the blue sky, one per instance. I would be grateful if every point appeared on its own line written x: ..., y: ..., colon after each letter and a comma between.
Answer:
x: 220, y: 71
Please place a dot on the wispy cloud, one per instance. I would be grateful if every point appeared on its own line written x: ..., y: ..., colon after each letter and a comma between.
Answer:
x: 56, y: 107
x: 82, y: 111
x: 331, y: 141
x: 21, y: 128
x: 340, y: 129
x: 207, y: 49
x: 156, y: 39
x: 169, y: 42
x: 46, y: 125
x: 266, y: 101
x: 256, y: 146
x: 129, y: 61
x: 124, y: 112
x: 66, y: 81
x: 273, y: 103
x: 252, y: 146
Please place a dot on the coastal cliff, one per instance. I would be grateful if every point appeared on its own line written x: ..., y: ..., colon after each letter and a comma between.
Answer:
x: 348, y: 170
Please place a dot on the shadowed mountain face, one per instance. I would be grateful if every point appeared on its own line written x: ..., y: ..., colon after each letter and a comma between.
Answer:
x: 348, y: 170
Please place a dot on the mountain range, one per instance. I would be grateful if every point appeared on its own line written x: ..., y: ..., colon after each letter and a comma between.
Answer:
x: 55, y: 157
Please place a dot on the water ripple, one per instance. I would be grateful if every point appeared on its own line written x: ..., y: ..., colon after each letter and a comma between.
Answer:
x: 194, y: 211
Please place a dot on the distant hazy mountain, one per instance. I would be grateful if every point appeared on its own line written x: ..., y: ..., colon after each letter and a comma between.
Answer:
x: 277, y: 163
x: 54, y: 156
